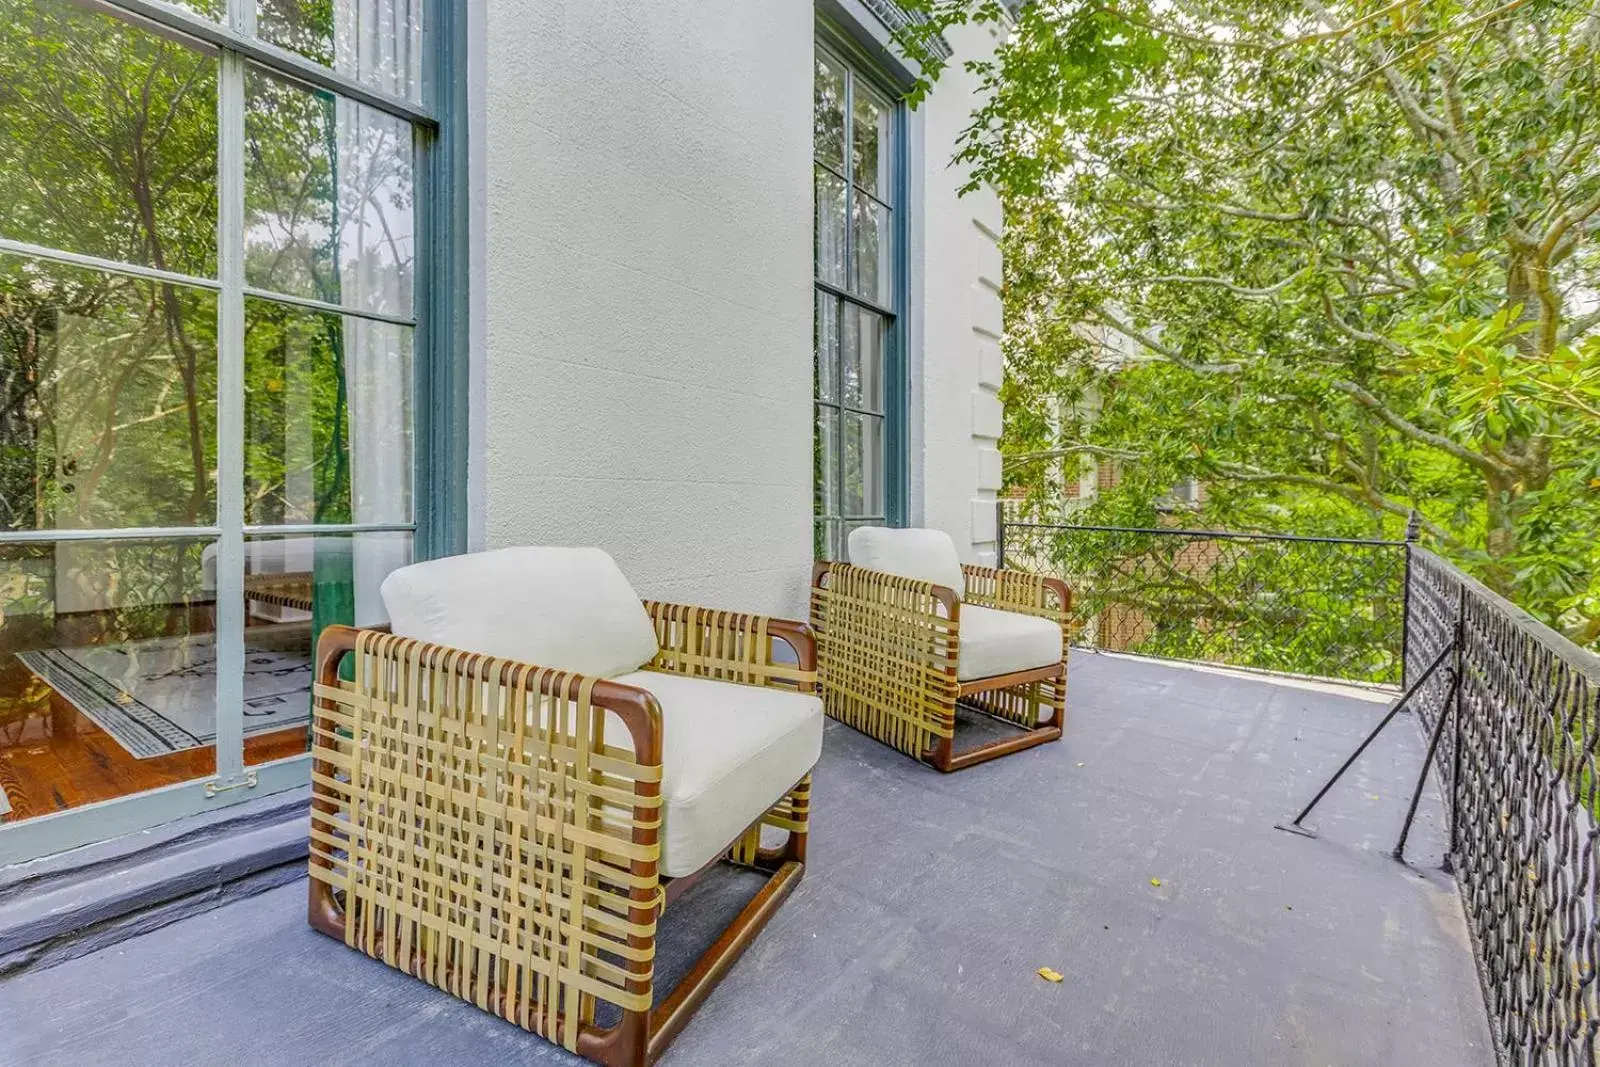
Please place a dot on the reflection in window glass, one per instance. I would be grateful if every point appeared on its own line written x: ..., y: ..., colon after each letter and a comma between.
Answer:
x: 863, y: 336
x: 295, y: 587
x: 328, y: 416
x: 107, y: 657
x: 825, y: 476
x: 830, y: 228
x: 863, y: 465
x: 109, y: 138
x: 376, y: 42
x: 108, y: 394
x: 869, y: 142
x: 827, y: 347
x: 872, y: 268
x: 328, y: 198
x: 828, y: 115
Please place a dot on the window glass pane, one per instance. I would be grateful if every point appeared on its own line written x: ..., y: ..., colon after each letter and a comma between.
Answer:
x: 827, y: 346
x: 107, y: 670
x: 872, y: 271
x: 328, y: 198
x: 826, y: 461
x: 827, y: 540
x: 830, y: 227
x: 328, y: 417
x: 109, y: 394
x: 843, y: 530
x: 109, y: 143
x: 871, y: 144
x: 215, y: 10
x: 294, y: 587
x: 377, y: 42
x: 863, y: 464
x: 828, y: 114
x: 863, y: 358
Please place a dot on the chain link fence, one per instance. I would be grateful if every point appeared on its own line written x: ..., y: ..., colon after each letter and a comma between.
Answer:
x: 1317, y: 606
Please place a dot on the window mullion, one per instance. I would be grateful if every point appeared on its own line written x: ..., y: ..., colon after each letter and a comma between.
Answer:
x: 242, y: 16
x: 229, y: 635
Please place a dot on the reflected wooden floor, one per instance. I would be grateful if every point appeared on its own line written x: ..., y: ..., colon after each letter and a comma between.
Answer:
x: 53, y: 757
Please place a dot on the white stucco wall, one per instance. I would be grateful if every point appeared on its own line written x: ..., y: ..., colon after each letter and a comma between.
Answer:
x: 642, y: 294
x: 957, y: 295
x: 645, y: 363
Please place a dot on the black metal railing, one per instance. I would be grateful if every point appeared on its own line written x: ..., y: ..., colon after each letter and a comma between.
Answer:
x: 1517, y: 753
x: 1326, y: 607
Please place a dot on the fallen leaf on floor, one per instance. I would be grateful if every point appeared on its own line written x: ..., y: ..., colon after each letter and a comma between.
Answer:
x: 1288, y: 907
x: 124, y: 697
x: 1156, y: 882
x: 1048, y: 975
x: 1374, y: 796
x: 1080, y: 765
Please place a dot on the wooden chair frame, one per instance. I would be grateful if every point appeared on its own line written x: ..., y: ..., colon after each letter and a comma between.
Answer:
x: 888, y: 647
x: 471, y: 827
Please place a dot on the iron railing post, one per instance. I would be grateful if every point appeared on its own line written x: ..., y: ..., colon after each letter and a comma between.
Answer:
x: 1000, y: 533
x: 1456, y: 736
x: 1413, y: 530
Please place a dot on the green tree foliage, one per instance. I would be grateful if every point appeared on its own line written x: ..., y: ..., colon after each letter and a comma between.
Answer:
x: 108, y: 383
x: 1335, y: 260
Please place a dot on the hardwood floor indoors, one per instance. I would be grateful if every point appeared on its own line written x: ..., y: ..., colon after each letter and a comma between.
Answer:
x: 53, y: 757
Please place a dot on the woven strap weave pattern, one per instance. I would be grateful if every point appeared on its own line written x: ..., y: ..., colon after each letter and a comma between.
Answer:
x: 1025, y: 594
x: 886, y: 656
x: 484, y: 837
x: 283, y: 590
x: 791, y: 814
x: 721, y: 645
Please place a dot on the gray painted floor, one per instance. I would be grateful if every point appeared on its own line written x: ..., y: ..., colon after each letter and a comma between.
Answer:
x: 929, y: 904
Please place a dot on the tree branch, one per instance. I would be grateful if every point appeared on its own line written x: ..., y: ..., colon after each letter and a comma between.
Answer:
x: 1070, y: 450
x: 1241, y: 473
x: 1162, y: 350
x: 1410, y: 429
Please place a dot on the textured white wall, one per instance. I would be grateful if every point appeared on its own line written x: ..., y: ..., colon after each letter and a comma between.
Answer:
x: 646, y: 248
x: 957, y: 292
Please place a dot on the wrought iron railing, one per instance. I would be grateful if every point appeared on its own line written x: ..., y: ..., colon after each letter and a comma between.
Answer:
x: 1321, y: 606
x: 1512, y: 706
x: 1518, y: 755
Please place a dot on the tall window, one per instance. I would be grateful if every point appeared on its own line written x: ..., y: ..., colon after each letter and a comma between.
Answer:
x: 857, y: 285
x: 209, y: 264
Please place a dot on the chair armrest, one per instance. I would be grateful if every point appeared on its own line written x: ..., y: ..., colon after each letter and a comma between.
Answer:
x: 1020, y: 591
x: 945, y: 597
x: 730, y: 646
x: 636, y: 708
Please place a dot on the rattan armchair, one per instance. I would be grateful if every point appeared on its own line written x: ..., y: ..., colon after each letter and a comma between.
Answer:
x: 510, y: 833
x: 908, y: 633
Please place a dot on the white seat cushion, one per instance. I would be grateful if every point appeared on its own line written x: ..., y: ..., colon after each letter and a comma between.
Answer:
x: 1002, y: 642
x: 729, y: 753
x: 926, y: 555
x: 566, y: 608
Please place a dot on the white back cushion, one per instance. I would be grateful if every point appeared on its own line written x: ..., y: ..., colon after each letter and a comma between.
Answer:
x: 926, y: 555
x: 566, y: 608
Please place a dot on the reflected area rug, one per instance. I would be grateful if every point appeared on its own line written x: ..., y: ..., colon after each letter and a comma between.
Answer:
x: 159, y: 696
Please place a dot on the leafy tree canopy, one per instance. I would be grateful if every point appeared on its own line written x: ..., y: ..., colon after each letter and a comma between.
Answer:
x: 1337, y: 260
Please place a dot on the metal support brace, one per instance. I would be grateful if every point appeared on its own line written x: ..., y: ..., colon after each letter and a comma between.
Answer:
x: 1296, y: 826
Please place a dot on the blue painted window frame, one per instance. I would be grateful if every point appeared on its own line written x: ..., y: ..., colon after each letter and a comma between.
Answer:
x: 841, y: 48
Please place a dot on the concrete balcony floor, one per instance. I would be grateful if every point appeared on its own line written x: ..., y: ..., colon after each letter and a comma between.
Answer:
x: 928, y: 905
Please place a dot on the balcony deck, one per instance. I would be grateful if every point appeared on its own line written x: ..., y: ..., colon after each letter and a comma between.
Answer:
x: 929, y: 903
